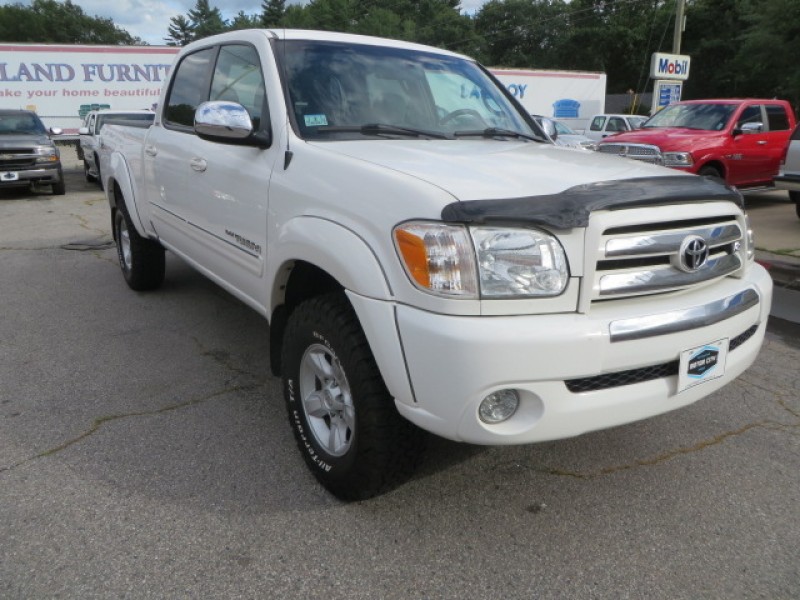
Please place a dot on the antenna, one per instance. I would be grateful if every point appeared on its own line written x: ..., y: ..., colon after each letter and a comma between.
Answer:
x: 287, y: 157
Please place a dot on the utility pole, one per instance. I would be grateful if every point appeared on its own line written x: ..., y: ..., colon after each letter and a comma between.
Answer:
x: 679, y: 23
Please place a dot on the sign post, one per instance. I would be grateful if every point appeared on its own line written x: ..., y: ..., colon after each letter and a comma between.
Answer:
x: 669, y: 72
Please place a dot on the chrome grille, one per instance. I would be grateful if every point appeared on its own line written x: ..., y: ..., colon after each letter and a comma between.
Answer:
x: 650, y: 258
x: 643, y: 152
x: 11, y: 159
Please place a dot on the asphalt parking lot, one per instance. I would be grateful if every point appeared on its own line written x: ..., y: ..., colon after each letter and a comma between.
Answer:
x: 145, y: 453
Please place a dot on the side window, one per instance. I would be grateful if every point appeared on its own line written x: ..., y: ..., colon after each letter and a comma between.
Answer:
x: 616, y: 124
x: 751, y: 114
x: 189, y: 88
x: 777, y: 118
x: 597, y: 124
x: 90, y: 123
x: 238, y: 78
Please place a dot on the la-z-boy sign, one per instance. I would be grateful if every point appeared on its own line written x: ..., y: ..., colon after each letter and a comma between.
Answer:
x: 669, y: 66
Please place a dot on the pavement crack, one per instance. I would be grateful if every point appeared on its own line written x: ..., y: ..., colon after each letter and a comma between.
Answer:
x: 670, y: 454
x: 99, y: 422
x: 223, y: 358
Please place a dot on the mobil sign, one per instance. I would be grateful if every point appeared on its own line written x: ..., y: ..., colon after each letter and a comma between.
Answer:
x: 669, y: 66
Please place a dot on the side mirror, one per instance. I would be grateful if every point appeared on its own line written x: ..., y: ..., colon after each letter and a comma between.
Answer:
x: 56, y: 130
x: 83, y: 131
x: 749, y: 129
x: 227, y: 123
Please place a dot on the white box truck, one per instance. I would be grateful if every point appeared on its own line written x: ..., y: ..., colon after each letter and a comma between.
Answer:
x: 569, y: 96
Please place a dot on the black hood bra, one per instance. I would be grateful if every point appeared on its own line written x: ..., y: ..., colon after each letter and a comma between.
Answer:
x: 572, y: 207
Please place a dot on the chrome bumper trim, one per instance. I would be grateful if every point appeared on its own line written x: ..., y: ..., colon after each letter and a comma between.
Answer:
x: 683, y: 320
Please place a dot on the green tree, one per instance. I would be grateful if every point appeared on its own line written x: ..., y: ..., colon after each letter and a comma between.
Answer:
x: 206, y: 20
x: 179, y: 32
x: 244, y: 21
x: 48, y: 21
x: 272, y: 12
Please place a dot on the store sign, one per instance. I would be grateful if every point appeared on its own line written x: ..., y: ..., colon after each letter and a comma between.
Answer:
x: 669, y: 66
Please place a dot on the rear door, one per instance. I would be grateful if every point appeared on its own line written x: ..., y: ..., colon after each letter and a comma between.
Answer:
x: 779, y: 129
x: 747, y: 154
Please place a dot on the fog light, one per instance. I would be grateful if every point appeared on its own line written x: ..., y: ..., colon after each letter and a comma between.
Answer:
x: 499, y: 406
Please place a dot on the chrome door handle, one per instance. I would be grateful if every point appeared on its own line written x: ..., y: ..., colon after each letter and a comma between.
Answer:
x: 198, y: 164
x: 150, y: 150
x: 762, y: 143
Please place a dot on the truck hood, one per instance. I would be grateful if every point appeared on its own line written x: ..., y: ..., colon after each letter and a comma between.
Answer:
x: 668, y: 138
x: 15, y: 141
x: 490, y: 169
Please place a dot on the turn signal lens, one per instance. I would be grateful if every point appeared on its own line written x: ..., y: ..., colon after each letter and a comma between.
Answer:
x: 438, y: 258
x: 750, y: 240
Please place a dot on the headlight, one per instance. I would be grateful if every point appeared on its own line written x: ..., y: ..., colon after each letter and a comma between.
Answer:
x: 678, y: 159
x: 519, y: 262
x: 493, y: 262
x: 46, y: 154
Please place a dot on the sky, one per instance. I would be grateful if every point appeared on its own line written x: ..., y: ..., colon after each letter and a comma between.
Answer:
x: 149, y: 19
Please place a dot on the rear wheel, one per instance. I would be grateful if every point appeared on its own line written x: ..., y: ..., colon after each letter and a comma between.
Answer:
x: 97, y: 170
x: 86, y: 171
x: 141, y: 260
x: 344, y: 419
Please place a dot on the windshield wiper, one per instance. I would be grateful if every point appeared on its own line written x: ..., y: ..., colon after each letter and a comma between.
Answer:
x: 381, y: 129
x: 491, y: 132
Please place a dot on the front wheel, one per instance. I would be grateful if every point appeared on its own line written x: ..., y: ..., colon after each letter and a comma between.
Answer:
x: 142, y: 260
x: 710, y: 172
x: 343, y: 417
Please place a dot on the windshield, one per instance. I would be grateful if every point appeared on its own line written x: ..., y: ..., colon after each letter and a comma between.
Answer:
x: 21, y: 123
x: 335, y: 90
x: 636, y: 122
x: 710, y: 117
x: 562, y: 129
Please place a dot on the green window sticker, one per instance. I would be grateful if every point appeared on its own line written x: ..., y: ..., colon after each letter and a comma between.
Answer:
x: 315, y: 120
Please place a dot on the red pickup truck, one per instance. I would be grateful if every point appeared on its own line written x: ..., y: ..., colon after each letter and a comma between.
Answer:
x: 740, y: 141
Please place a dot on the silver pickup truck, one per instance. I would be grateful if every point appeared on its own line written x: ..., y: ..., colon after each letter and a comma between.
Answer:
x: 90, y: 143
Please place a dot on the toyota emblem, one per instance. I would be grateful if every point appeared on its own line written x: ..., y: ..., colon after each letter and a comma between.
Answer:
x: 693, y: 254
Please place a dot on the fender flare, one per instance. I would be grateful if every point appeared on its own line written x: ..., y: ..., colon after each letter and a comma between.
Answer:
x: 330, y: 246
x: 353, y: 263
x: 121, y: 178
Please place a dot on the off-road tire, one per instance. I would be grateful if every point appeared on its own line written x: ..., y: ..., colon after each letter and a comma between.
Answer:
x: 382, y: 448
x: 141, y: 260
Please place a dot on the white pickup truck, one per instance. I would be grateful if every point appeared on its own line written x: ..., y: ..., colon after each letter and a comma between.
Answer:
x: 425, y: 259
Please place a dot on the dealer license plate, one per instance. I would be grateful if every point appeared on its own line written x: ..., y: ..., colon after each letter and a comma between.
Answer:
x: 702, y: 364
x: 9, y: 176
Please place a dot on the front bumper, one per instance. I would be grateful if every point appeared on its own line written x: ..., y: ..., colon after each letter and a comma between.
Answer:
x: 23, y: 177
x: 454, y: 362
